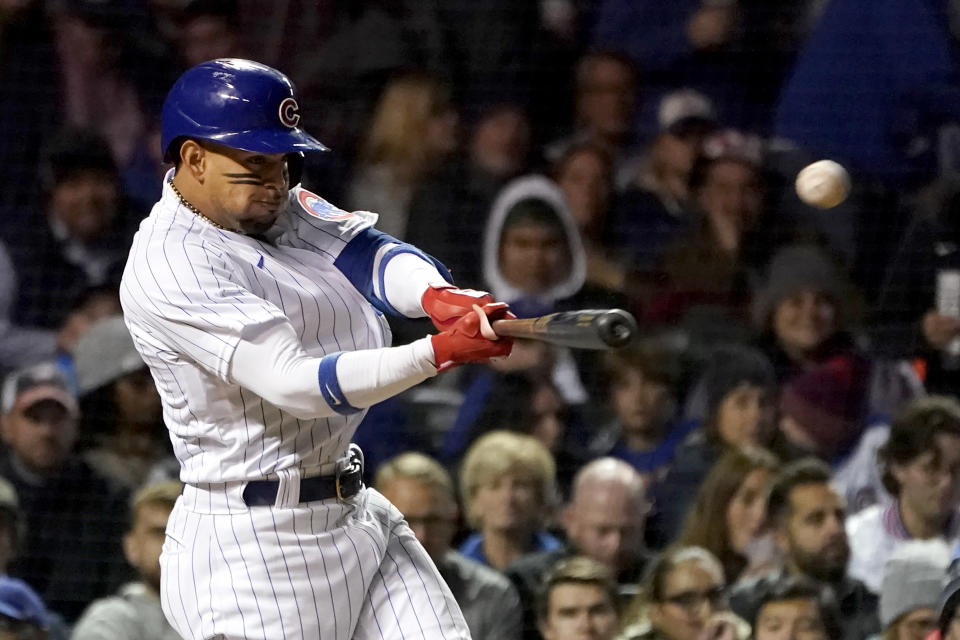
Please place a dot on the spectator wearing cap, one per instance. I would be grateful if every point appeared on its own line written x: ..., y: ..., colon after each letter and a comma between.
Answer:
x: 803, y: 309
x: 708, y: 265
x: 920, y: 465
x: 806, y: 517
x: 120, y: 407
x: 655, y: 209
x: 74, y: 517
x: 913, y: 578
x: 78, y: 239
x: 738, y: 390
x: 23, y: 615
x: 134, y: 613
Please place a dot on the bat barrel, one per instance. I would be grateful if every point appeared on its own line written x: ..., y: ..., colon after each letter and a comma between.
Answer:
x: 585, y: 329
x: 616, y: 328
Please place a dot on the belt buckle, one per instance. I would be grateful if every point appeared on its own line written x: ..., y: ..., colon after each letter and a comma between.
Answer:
x: 355, y: 466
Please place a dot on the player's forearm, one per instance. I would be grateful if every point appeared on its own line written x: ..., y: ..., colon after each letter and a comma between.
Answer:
x: 274, y: 366
x: 405, y: 279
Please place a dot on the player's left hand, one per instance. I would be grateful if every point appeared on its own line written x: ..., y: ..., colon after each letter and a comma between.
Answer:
x: 447, y: 304
x: 471, y: 338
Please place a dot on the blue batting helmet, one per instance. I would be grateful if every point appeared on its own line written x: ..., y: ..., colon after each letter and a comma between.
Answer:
x: 238, y: 103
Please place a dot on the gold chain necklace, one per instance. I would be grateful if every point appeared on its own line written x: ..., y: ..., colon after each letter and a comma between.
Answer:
x: 196, y: 211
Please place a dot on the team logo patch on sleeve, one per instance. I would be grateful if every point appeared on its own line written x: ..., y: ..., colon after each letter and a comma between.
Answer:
x: 320, y: 208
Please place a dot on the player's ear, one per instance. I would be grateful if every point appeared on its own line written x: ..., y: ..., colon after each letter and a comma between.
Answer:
x: 193, y: 158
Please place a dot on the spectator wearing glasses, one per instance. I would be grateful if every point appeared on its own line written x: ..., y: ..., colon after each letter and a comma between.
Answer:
x: 683, y: 599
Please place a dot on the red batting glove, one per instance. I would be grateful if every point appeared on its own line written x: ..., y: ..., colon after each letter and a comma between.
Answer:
x: 446, y: 305
x: 464, y: 341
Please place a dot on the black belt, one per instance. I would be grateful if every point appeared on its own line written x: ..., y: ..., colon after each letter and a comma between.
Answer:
x: 344, y: 484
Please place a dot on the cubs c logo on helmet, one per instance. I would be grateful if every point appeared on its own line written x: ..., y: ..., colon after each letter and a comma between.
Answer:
x: 289, y: 112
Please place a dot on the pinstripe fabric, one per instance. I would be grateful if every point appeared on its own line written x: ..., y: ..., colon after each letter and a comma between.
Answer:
x: 190, y: 292
x: 329, y: 570
x: 325, y: 570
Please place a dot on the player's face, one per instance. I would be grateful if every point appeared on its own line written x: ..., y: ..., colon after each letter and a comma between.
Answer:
x: 246, y: 190
x: 579, y: 612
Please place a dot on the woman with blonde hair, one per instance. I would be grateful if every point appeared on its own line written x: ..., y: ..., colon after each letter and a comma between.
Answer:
x: 414, y: 127
x: 683, y: 598
x: 507, y: 481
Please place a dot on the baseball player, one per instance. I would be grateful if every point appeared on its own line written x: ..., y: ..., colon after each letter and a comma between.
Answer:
x: 259, y: 310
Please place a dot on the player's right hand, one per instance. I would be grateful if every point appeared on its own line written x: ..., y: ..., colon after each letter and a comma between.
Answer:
x: 471, y: 339
x: 446, y: 305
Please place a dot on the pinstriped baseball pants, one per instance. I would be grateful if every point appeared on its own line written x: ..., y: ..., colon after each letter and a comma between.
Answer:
x: 324, y: 570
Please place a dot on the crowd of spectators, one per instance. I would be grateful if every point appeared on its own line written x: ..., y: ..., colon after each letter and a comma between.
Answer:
x: 776, y: 457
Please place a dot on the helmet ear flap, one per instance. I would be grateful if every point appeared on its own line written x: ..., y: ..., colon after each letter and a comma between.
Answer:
x: 295, y: 163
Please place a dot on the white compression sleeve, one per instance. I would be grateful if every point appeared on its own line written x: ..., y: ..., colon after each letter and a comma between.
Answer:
x: 405, y: 278
x: 274, y: 365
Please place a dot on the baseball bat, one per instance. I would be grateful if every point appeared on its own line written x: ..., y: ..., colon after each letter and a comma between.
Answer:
x: 583, y: 329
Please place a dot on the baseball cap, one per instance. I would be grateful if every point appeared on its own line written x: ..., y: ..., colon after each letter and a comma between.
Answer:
x: 686, y: 109
x: 20, y: 602
x: 103, y: 354
x: 730, y: 144
x: 44, y: 381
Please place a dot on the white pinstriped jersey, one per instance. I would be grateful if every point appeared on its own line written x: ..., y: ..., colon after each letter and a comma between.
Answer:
x: 190, y: 291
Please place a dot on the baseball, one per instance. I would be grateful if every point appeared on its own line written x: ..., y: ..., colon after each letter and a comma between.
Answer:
x: 823, y: 184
